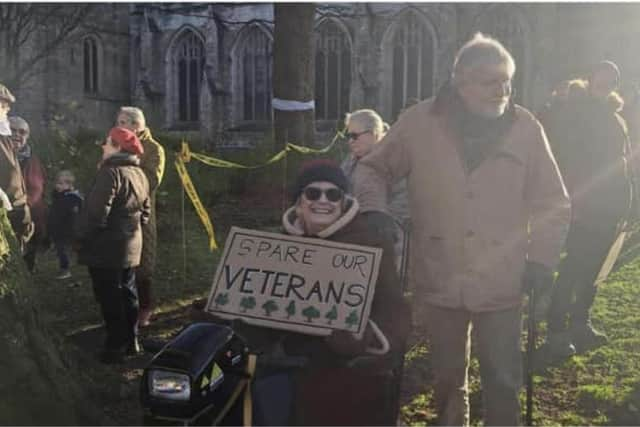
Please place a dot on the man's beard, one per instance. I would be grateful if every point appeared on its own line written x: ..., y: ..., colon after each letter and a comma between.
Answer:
x: 494, y: 111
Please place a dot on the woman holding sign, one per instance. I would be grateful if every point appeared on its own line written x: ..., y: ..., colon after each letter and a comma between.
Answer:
x: 332, y: 390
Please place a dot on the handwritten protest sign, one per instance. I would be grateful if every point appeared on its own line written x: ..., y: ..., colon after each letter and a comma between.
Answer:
x: 294, y: 283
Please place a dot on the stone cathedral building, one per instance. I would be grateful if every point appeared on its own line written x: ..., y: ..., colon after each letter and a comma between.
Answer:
x: 206, y: 68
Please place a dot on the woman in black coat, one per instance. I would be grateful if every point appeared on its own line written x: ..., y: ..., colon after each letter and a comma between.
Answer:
x: 111, y: 239
x: 329, y: 390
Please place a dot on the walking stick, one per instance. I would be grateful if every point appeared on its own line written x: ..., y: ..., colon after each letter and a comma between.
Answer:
x: 531, y: 346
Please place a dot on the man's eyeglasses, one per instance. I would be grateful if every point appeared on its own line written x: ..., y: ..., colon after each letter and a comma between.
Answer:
x: 355, y: 135
x: 314, y: 193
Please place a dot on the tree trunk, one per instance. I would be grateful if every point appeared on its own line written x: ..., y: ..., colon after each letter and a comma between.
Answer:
x: 38, y: 385
x: 293, y: 71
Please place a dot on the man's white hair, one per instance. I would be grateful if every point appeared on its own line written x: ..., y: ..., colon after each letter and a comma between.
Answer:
x: 19, y: 122
x: 482, y: 50
x: 135, y: 115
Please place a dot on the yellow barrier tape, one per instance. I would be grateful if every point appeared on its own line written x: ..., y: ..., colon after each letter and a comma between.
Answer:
x: 219, y: 163
x: 185, y: 152
x: 307, y: 150
x: 195, y: 200
x: 185, y: 156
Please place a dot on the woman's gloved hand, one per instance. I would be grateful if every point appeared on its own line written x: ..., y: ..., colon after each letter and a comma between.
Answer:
x: 343, y: 342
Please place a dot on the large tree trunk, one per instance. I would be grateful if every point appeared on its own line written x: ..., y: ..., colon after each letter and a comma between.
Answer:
x: 293, y: 80
x: 38, y: 384
x: 293, y: 71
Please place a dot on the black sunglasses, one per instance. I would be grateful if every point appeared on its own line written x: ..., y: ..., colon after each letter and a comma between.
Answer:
x: 355, y: 135
x: 314, y: 193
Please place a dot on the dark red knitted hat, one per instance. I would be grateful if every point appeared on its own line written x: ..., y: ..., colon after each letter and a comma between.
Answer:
x: 126, y: 140
x: 319, y: 170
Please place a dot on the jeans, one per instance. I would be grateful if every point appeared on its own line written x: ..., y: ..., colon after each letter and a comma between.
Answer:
x: 62, y: 252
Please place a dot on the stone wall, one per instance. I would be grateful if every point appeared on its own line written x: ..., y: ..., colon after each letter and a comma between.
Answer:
x: 57, y: 92
x: 137, y: 41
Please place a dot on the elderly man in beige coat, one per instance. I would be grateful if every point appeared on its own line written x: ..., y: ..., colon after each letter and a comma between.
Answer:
x: 490, y: 214
x: 152, y: 162
x: 11, y: 179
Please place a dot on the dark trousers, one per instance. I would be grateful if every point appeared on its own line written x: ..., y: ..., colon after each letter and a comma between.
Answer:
x: 30, y: 251
x: 62, y: 252
x: 115, y: 291
x: 575, y: 289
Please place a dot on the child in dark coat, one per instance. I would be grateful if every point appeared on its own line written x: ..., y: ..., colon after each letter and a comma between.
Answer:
x: 65, y: 207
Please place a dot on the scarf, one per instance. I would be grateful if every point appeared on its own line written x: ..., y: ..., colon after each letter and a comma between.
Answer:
x: 478, y: 135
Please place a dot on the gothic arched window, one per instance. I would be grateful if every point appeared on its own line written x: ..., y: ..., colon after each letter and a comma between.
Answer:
x: 503, y: 26
x: 91, y: 64
x: 333, y: 71
x: 412, y: 62
x: 188, y: 58
x: 255, y: 58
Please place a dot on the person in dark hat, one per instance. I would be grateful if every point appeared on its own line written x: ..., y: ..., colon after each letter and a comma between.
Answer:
x: 11, y: 179
x: 323, y: 389
x: 590, y: 142
x: 110, y: 239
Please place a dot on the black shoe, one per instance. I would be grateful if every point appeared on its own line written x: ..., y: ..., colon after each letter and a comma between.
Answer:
x: 111, y: 357
x: 556, y: 349
x: 586, y: 338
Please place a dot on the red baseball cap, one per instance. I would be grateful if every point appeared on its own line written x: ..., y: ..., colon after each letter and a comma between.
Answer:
x: 126, y: 140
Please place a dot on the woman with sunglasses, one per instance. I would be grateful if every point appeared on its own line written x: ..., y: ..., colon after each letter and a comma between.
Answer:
x: 110, y: 239
x: 365, y: 129
x: 328, y: 392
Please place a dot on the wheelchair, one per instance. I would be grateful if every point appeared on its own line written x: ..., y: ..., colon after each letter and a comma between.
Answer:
x: 225, y: 372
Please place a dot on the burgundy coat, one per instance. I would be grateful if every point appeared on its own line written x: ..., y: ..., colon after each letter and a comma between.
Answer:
x: 35, y: 178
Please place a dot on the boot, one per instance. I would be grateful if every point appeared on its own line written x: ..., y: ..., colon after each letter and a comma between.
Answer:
x: 556, y: 349
x: 586, y: 338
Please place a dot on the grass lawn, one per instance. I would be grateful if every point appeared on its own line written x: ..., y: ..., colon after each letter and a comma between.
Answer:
x: 601, y: 387
x: 598, y: 388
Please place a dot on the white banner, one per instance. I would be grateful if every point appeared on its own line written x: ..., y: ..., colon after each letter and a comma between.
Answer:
x: 289, y: 105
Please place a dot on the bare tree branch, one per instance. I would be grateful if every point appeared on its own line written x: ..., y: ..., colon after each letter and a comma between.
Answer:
x: 21, y: 28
